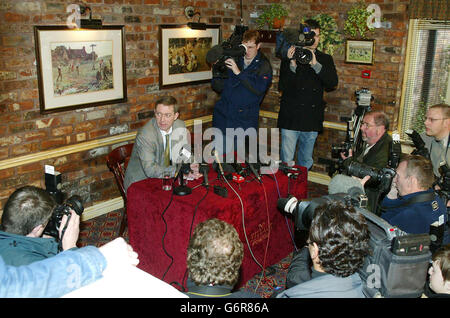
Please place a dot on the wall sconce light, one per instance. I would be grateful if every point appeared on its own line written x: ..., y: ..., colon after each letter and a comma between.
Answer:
x: 190, y: 14
x: 89, y: 23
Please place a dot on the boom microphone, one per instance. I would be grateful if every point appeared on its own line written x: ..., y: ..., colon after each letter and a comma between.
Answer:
x: 214, y: 54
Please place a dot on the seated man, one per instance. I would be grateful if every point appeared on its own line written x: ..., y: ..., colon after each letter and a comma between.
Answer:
x: 25, y: 216
x: 338, y: 243
x: 158, y: 145
x: 374, y: 151
x: 411, y: 204
x: 214, y: 257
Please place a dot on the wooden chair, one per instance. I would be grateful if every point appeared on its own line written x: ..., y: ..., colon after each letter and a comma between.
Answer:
x: 117, y: 161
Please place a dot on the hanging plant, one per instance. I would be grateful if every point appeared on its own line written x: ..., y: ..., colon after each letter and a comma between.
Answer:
x: 356, y: 23
x: 330, y: 38
x: 271, y: 14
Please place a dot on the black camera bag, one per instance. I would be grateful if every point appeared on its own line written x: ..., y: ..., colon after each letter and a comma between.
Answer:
x: 394, y: 273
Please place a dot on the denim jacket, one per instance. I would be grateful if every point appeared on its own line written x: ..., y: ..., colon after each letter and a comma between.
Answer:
x: 54, y: 276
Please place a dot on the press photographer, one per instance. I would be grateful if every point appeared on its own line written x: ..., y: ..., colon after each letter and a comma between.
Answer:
x: 436, y: 136
x: 374, y: 152
x: 342, y: 215
x: 305, y: 73
x: 27, y: 212
x: 242, y: 89
x: 412, y: 204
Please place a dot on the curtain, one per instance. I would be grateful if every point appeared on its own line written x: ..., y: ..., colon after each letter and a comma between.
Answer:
x: 429, y: 9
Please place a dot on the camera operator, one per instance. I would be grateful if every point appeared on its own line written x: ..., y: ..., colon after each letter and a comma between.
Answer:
x: 374, y: 151
x: 411, y: 204
x: 437, y: 129
x: 338, y: 243
x: 302, y: 106
x: 243, y: 87
x: 25, y: 216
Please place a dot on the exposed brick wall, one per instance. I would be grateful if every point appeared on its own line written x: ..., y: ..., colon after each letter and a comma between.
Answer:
x: 23, y: 130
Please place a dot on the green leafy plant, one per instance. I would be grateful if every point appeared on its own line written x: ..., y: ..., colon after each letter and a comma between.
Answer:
x: 330, y: 38
x: 356, y: 23
x: 270, y: 13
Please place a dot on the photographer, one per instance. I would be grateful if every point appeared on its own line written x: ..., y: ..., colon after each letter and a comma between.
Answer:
x: 337, y: 245
x: 411, y: 204
x: 243, y: 87
x: 374, y: 152
x: 437, y: 129
x: 302, y: 106
x: 25, y: 216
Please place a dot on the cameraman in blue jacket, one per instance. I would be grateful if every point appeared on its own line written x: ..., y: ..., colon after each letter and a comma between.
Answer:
x: 243, y: 87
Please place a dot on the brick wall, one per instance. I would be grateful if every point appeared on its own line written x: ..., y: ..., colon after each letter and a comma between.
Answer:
x: 24, y: 131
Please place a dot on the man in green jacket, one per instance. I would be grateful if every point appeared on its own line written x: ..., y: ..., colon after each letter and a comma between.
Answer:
x: 374, y: 152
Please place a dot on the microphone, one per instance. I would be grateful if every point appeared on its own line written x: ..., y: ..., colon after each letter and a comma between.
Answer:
x: 204, y: 169
x: 235, y: 51
x: 254, y: 171
x: 214, y: 54
x: 216, y: 154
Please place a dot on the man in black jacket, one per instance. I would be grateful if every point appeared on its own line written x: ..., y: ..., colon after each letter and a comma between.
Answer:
x: 302, y: 106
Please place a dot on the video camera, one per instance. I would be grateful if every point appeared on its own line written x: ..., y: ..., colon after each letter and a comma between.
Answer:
x: 231, y: 48
x: 305, y: 38
x: 396, y: 256
x: 75, y: 203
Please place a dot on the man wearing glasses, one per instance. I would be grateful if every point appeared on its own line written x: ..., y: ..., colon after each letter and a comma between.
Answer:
x: 437, y: 128
x: 374, y: 151
x: 159, y: 145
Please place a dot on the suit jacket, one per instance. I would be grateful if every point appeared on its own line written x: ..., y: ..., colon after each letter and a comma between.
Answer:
x: 147, y: 157
x: 302, y: 105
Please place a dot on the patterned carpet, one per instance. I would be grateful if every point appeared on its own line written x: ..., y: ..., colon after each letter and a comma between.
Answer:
x: 104, y: 228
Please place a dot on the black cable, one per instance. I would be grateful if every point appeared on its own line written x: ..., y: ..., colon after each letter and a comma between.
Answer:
x: 165, y: 232
x: 192, y: 225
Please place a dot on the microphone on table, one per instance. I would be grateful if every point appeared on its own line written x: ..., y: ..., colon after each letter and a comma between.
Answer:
x: 204, y: 169
x: 216, y: 154
x: 254, y: 171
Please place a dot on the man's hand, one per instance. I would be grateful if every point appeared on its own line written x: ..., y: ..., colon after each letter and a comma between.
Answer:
x: 70, y: 238
x: 350, y: 154
x: 118, y: 253
x: 290, y: 55
x: 313, y: 60
x: 231, y: 64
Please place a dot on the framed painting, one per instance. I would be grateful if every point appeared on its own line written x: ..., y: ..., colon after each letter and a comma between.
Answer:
x: 79, y: 68
x: 359, y: 51
x: 182, y: 54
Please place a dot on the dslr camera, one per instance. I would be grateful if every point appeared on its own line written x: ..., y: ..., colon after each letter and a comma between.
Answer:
x: 75, y: 203
x: 381, y: 177
x: 305, y: 38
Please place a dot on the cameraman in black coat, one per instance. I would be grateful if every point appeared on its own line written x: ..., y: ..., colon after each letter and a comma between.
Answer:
x: 302, y: 106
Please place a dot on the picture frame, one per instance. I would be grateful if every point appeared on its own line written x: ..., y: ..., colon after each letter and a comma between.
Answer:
x: 360, y: 51
x: 79, y: 68
x: 182, y: 54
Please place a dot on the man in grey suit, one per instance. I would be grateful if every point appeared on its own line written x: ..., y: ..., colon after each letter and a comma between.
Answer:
x: 151, y: 156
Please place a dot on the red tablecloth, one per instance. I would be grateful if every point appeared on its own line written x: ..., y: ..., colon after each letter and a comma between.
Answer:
x: 162, y: 249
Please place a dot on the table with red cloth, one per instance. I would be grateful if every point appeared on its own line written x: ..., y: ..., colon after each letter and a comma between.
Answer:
x: 160, y: 224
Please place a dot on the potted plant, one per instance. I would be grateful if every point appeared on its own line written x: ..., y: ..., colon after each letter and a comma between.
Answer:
x: 356, y: 23
x: 330, y: 37
x: 273, y: 15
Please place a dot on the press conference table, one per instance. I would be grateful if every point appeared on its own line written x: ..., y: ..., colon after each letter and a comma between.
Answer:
x: 159, y: 223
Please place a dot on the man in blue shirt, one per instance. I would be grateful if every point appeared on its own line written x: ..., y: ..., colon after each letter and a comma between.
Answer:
x: 25, y: 216
x: 411, y: 204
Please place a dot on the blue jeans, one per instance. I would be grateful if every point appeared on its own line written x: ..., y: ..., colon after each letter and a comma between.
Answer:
x: 306, y: 140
